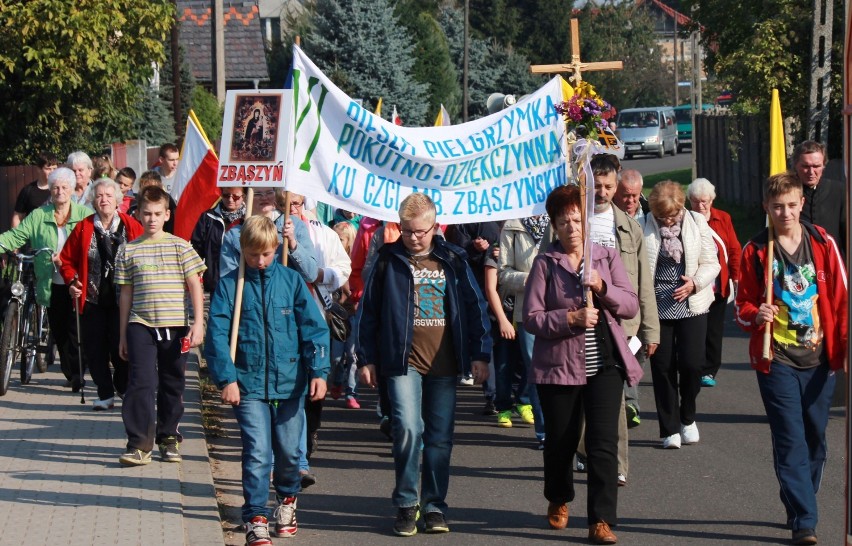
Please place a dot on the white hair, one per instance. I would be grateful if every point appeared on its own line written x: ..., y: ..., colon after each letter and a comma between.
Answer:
x: 701, y: 188
x: 62, y: 174
x: 110, y: 183
x: 79, y: 158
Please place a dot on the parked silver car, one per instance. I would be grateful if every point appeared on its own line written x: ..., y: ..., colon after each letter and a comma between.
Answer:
x: 651, y: 130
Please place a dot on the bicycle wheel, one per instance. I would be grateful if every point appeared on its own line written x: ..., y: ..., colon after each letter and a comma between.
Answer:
x: 8, y: 345
x: 29, y: 341
x: 44, y: 352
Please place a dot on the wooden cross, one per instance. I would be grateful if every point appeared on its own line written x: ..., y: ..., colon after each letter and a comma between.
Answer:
x: 575, y: 66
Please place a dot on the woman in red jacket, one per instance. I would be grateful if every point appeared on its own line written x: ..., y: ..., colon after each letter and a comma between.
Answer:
x: 701, y: 194
x: 88, y: 260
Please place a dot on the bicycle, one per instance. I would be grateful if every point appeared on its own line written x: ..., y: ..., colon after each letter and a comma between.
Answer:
x: 25, y: 329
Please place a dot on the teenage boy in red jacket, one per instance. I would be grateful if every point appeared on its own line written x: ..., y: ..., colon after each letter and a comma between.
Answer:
x: 808, y: 325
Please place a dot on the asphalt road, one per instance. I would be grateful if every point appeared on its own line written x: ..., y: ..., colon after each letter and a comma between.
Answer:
x: 647, y: 164
x: 720, y: 491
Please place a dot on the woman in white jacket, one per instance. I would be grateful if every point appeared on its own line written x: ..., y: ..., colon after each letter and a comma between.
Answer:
x: 682, y: 259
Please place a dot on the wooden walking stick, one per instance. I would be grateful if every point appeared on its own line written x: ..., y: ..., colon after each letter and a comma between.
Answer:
x: 241, y: 279
x: 767, y: 267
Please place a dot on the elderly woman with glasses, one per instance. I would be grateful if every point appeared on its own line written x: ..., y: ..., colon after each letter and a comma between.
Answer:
x: 88, y: 264
x: 701, y: 194
x: 682, y: 260
x: 49, y: 227
x: 211, y: 228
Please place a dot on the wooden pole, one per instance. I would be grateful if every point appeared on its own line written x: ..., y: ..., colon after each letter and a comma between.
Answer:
x: 581, y: 179
x: 285, y: 252
x: 767, y: 267
x: 241, y: 279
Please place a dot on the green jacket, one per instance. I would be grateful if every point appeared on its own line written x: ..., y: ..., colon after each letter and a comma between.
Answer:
x: 40, y: 231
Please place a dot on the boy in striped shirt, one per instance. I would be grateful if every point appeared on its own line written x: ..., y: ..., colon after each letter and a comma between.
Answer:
x: 154, y: 272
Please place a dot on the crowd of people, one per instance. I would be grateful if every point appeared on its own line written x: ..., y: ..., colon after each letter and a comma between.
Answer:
x: 558, y: 332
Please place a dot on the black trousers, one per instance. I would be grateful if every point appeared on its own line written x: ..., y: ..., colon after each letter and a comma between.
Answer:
x: 100, y: 343
x: 157, y: 371
x: 63, y: 326
x: 715, y: 331
x: 676, y: 370
x: 563, y: 407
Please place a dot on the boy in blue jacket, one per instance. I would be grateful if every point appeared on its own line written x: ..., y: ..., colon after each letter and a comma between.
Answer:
x: 282, y: 355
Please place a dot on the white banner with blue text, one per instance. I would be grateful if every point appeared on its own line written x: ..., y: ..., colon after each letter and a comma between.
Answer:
x: 495, y: 168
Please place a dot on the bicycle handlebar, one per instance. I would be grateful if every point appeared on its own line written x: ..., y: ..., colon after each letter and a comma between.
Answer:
x: 23, y: 256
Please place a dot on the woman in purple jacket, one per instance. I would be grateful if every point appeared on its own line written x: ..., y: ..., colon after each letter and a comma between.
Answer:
x: 580, y: 362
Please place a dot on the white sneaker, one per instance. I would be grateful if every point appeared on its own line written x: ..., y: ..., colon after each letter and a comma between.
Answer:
x: 102, y: 405
x: 671, y: 442
x: 467, y: 381
x: 689, y: 434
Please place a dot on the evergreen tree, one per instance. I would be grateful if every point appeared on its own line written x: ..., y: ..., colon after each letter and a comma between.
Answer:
x: 434, y: 66
x: 187, y: 84
x: 544, y: 35
x: 154, y: 123
x: 497, y: 19
x: 491, y: 67
x: 208, y: 111
x: 363, y: 48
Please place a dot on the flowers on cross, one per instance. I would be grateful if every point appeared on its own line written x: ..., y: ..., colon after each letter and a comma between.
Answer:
x: 585, y: 112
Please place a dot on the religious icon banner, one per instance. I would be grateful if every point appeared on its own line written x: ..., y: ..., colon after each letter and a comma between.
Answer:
x: 499, y: 167
x: 255, y: 131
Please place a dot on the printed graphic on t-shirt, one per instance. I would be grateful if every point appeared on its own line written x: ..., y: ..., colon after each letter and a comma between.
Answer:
x: 430, y: 287
x: 797, y: 323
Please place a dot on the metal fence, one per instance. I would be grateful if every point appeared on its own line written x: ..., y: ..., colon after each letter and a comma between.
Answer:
x: 732, y: 152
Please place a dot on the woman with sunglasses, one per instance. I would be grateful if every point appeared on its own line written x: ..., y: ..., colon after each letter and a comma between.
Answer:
x: 211, y: 228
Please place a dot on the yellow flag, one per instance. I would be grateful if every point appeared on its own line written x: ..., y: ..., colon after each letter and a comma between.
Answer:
x: 777, y: 145
x: 567, y: 90
x: 378, y: 111
x: 443, y: 118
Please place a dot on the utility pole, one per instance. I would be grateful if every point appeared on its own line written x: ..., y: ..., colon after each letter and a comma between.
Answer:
x: 697, y: 102
x: 175, y: 46
x: 219, y: 49
x: 465, y: 96
x: 676, y: 77
x: 820, y: 71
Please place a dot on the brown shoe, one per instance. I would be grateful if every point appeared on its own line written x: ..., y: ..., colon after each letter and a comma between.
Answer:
x: 600, y: 533
x: 557, y: 515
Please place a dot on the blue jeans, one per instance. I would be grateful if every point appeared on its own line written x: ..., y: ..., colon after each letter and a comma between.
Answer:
x: 526, y: 341
x: 303, y: 445
x: 423, y: 409
x: 269, y: 433
x: 506, y: 359
x: 797, y: 404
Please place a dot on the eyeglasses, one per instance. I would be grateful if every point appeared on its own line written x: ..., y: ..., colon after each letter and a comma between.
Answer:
x: 418, y: 233
x: 267, y: 194
x: 231, y: 196
x: 295, y: 204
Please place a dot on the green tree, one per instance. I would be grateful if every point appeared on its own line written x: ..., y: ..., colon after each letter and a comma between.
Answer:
x: 497, y: 19
x: 434, y: 67
x: 154, y: 124
x: 209, y: 113
x: 544, y: 35
x: 753, y: 47
x: 492, y: 68
x: 72, y: 71
x: 363, y: 48
x: 624, y: 32
x: 187, y: 85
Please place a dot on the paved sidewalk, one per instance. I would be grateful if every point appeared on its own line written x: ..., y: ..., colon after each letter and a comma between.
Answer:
x: 61, y: 483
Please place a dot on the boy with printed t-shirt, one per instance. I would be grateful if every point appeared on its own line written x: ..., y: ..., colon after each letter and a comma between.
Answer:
x: 154, y: 272
x: 282, y: 356
x: 421, y: 319
x: 809, y: 335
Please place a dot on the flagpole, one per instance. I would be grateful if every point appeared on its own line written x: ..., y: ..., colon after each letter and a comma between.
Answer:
x: 777, y: 164
x: 241, y: 279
